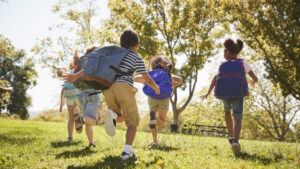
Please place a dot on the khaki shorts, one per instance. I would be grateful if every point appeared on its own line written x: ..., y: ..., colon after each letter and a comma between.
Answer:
x: 120, y: 98
x: 161, y: 105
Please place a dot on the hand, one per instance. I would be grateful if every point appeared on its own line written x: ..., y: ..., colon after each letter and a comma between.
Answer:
x: 204, y: 96
x: 251, y: 82
x: 59, y: 73
x: 157, y: 90
x: 70, y: 78
x: 9, y: 89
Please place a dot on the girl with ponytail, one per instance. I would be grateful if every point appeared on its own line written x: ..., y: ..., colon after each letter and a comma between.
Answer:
x: 231, y: 86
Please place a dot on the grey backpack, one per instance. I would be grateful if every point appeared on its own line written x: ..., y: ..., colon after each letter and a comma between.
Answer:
x: 101, y: 67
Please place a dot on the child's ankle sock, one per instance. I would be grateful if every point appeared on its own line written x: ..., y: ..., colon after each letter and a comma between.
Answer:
x: 127, y: 148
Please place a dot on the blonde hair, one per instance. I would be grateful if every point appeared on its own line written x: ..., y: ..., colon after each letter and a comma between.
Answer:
x: 74, y: 62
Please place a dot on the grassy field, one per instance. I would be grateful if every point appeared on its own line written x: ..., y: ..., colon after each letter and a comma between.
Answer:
x: 32, y: 144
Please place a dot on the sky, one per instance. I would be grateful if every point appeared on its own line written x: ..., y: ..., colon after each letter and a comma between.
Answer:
x: 23, y: 22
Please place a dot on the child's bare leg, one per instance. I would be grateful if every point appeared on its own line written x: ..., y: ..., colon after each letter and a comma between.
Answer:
x: 155, y: 129
x: 237, y: 127
x: 154, y: 134
x: 162, y: 115
x: 229, y: 123
x: 120, y: 118
x: 71, y: 120
x: 89, y: 122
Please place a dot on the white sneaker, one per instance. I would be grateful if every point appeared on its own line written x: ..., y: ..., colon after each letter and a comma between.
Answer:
x: 110, y: 122
x: 126, y: 156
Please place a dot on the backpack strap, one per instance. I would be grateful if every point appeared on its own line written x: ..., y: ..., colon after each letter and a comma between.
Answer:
x: 119, y: 71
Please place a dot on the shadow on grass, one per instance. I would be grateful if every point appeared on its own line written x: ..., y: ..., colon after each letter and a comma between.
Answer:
x: 163, y: 148
x: 13, y: 139
x: 109, y: 162
x: 58, y: 144
x: 254, y: 157
x: 77, y: 153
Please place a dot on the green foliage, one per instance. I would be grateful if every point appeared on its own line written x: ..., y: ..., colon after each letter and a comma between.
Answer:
x: 18, y: 72
x: 272, y: 112
x: 180, y: 30
x: 4, y: 96
x: 271, y: 28
x: 79, y: 28
x: 208, y: 112
x: 32, y: 144
x: 52, y: 115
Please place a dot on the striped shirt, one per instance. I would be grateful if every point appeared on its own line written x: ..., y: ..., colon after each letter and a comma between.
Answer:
x: 131, y: 61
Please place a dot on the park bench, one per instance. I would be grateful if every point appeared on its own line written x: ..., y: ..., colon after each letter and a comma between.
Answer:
x: 199, y: 129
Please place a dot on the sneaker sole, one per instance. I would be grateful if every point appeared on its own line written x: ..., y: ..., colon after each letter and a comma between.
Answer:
x: 78, y: 124
x: 108, y: 125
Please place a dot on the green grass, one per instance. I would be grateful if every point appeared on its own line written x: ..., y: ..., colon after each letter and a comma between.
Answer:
x: 32, y: 144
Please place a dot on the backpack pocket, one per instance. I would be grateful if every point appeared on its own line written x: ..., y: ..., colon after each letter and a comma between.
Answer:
x: 92, y: 65
x: 229, y: 87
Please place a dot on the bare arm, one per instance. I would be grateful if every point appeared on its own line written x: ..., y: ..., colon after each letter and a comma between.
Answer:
x: 253, y: 77
x: 176, y: 80
x: 139, y: 79
x: 212, y: 85
x: 62, y: 100
x: 150, y: 82
x: 59, y: 73
x: 73, y: 77
x: 3, y: 89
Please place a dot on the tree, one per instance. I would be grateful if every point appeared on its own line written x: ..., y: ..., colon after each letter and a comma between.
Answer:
x: 272, y: 29
x: 4, y: 96
x: 178, y: 29
x: 18, y: 72
x: 271, y: 110
x: 79, y: 28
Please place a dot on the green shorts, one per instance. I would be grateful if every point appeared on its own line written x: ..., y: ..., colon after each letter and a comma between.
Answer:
x: 161, y: 105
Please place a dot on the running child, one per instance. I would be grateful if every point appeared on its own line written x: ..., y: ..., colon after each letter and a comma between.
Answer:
x: 231, y: 87
x: 69, y: 93
x: 159, y: 104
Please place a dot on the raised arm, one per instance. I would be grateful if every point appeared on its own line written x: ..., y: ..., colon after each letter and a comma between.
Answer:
x: 212, y: 85
x: 176, y: 80
x: 73, y: 77
x: 139, y: 79
x: 150, y: 82
x: 253, y: 77
x: 3, y: 89
x: 62, y: 100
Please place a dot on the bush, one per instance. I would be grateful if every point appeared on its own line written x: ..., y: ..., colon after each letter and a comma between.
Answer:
x: 8, y: 116
x: 52, y: 115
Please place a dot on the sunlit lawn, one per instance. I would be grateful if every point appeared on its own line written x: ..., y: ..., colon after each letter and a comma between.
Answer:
x: 31, y: 144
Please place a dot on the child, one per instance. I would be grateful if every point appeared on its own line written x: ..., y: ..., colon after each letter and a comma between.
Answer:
x: 120, y: 97
x: 159, y: 107
x: 69, y: 93
x: 89, y: 102
x: 229, y: 96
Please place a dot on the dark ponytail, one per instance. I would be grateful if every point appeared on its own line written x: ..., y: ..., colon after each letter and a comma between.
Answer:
x: 240, y: 45
x: 233, y: 47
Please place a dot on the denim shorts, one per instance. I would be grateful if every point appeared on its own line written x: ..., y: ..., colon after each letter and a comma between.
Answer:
x: 89, y: 104
x: 236, y: 105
